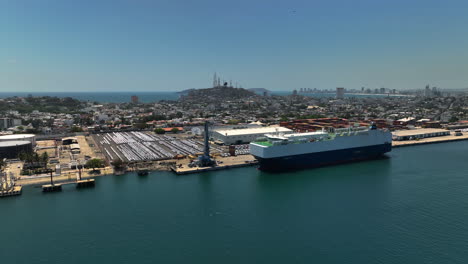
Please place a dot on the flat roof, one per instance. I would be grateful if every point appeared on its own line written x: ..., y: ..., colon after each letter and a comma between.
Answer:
x: 247, y: 131
x: 74, y: 146
x: 14, y: 143
x: 306, y: 134
x: 413, y: 132
x: 14, y: 136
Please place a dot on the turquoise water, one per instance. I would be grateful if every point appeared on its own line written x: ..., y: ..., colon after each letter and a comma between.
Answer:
x: 409, y: 208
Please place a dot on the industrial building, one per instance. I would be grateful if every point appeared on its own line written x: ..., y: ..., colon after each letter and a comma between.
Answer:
x: 19, y: 137
x: 12, y: 149
x: 75, y: 148
x: 69, y: 141
x: 414, y: 134
x: 247, y: 135
x: 311, y: 125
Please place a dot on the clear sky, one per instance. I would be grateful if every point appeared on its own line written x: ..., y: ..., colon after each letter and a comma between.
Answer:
x: 164, y: 45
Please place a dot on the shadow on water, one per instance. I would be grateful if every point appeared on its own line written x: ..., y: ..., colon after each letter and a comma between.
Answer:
x: 370, y: 170
x: 123, y: 178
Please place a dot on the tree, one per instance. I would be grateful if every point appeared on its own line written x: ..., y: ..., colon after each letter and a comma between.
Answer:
x: 95, y: 163
x: 37, y: 158
x: 45, y: 158
x: 76, y: 129
x: 453, y: 119
x: 118, y: 164
x: 22, y: 156
x: 140, y: 125
x: 159, y: 131
x: 2, y: 164
x: 175, y: 130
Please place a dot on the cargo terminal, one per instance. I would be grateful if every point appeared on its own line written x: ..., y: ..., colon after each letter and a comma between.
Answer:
x: 414, y: 134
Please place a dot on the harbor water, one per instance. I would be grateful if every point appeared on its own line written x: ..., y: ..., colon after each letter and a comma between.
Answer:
x: 409, y: 208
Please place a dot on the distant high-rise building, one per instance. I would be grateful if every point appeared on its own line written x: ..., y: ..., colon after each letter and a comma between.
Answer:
x: 134, y: 99
x: 382, y: 90
x: 427, y: 91
x: 340, y: 92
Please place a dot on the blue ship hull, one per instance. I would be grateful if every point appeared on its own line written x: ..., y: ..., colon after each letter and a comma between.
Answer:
x: 319, y: 159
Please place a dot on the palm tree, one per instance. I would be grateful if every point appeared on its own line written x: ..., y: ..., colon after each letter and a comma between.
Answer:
x: 44, y: 159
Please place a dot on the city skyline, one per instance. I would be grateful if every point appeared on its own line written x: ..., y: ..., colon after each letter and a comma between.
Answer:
x: 171, y: 46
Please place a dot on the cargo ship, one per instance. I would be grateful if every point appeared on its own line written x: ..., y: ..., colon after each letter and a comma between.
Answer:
x: 283, y: 152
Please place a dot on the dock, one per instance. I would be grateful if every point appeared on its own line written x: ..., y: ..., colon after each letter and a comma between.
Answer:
x: 52, y: 187
x: 431, y: 140
x: 16, y: 190
x: 85, y: 183
x: 182, y: 167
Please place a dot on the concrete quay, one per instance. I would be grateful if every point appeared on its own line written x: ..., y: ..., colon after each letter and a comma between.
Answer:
x: 431, y: 140
x: 182, y: 167
x: 16, y: 190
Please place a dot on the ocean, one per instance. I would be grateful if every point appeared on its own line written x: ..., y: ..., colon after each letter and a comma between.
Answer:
x: 408, y: 208
x: 148, y: 97
x: 102, y: 97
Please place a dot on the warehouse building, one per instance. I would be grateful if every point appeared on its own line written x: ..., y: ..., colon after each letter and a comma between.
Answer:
x: 19, y: 137
x: 69, y: 141
x: 414, y: 134
x: 12, y: 149
x: 247, y: 135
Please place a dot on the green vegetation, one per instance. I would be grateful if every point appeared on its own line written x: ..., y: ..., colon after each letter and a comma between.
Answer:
x: 234, y: 121
x: 175, y: 130
x: 42, y: 104
x: 118, y: 164
x: 33, y: 160
x: 34, y: 163
x: 159, y: 131
x: 310, y: 116
x: 44, y: 159
x: 76, y: 129
x: 140, y: 125
x: 263, y: 143
x: 2, y: 164
x: 95, y: 163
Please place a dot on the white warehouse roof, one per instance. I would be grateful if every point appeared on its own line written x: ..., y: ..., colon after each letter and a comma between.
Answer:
x: 249, y: 131
x: 17, y: 136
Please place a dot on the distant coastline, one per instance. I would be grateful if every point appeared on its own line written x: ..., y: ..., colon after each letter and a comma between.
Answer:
x: 148, y: 97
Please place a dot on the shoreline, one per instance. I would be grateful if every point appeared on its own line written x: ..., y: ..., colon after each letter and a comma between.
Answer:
x: 71, y: 175
x: 431, y: 140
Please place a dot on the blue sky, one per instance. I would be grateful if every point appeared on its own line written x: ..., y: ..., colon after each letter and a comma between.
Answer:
x: 142, y: 45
